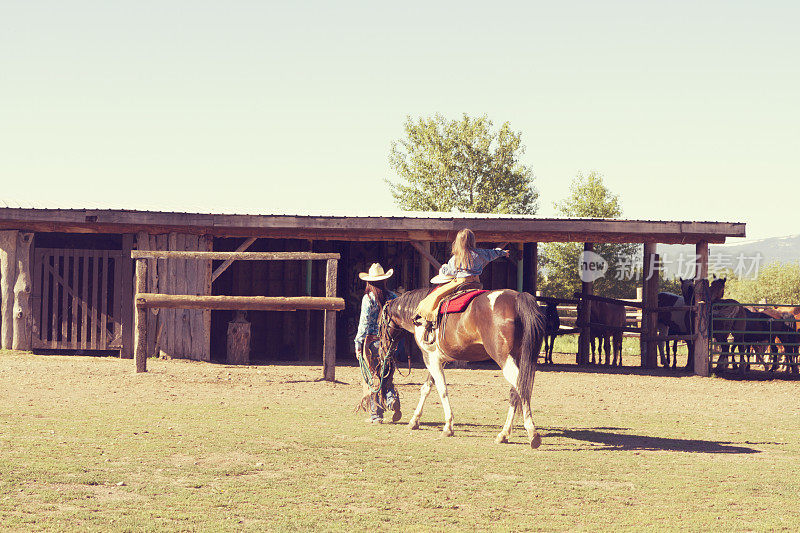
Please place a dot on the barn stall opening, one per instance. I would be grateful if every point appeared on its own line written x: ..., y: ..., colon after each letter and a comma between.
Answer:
x: 66, y: 275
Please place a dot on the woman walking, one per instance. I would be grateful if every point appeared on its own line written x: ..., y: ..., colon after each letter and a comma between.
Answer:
x: 366, y: 341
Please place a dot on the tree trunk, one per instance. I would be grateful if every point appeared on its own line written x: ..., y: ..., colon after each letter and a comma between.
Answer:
x: 23, y: 320
x: 8, y: 275
x: 238, y: 352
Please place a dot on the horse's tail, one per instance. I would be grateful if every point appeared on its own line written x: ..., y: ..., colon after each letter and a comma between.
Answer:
x: 531, y: 326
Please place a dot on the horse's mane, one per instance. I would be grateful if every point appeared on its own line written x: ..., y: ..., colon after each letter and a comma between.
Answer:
x: 405, y: 305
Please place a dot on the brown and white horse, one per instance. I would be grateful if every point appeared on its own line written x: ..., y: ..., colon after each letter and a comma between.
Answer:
x: 503, y: 325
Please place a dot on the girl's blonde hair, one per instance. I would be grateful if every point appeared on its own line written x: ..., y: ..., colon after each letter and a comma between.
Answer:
x: 463, y: 247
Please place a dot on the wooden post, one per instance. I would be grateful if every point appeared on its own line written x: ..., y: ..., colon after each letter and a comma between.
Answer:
x: 23, y: 320
x: 701, y: 319
x: 531, y: 271
x: 8, y: 276
x: 307, y: 272
x: 585, y: 316
x: 206, y: 243
x: 329, y: 332
x: 701, y: 266
x: 650, y: 275
x: 140, y: 337
x: 521, y: 268
x: 126, y: 296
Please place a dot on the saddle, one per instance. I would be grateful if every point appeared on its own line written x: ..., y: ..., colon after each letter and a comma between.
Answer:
x: 458, y: 302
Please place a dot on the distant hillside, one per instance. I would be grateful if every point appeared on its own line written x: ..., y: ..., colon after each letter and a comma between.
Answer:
x: 781, y: 249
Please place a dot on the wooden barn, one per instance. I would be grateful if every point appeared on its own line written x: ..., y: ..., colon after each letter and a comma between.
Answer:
x: 67, y: 277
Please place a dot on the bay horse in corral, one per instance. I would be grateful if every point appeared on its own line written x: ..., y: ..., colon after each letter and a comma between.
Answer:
x: 610, y: 318
x: 785, y: 328
x: 551, y: 326
x: 730, y: 319
x: 727, y: 320
x: 503, y: 325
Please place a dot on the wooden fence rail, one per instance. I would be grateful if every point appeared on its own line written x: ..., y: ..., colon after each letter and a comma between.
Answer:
x: 328, y: 303
x: 239, y: 303
x: 238, y: 256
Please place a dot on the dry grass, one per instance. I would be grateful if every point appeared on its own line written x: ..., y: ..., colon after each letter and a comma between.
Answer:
x: 87, y: 444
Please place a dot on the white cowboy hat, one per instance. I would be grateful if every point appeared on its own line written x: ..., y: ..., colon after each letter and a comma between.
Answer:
x: 441, y: 278
x: 376, y: 273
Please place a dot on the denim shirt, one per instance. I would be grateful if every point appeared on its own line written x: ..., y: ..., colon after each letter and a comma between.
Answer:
x: 480, y: 258
x: 370, y: 313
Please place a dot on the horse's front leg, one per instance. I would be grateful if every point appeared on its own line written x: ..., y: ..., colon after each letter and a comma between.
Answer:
x: 424, y: 391
x: 437, y: 373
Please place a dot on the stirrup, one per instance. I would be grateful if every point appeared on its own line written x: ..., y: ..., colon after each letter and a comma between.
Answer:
x: 429, y: 336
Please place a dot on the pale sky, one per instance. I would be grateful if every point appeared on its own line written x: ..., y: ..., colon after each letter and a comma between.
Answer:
x: 691, y: 110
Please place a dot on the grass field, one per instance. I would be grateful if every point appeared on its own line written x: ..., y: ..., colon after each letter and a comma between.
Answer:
x: 87, y: 444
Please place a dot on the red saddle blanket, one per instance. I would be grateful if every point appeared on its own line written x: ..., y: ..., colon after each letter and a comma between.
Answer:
x: 459, y: 303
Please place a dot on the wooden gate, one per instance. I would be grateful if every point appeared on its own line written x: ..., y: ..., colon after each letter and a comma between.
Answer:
x: 76, y: 300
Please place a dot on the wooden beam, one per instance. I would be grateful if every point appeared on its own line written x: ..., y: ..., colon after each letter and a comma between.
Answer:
x: 424, y: 264
x: 424, y: 250
x: 147, y: 300
x: 329, y: 332
x: 238, y: 256
x: 224, y: 266
x: 444, y: 226
x: 389, y: 233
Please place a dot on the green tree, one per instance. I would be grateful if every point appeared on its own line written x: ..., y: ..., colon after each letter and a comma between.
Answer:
x: 589, y: 197
x: 461, y: 165
x: 776, y: 283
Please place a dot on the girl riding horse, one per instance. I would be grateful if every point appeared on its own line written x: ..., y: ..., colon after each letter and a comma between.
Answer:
x: 465, y: 266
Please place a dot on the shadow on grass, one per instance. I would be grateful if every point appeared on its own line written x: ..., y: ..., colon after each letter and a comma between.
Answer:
x: 612, y: 440
x: 315, y: 380
x: 609, y: 438
x: 623, y: 370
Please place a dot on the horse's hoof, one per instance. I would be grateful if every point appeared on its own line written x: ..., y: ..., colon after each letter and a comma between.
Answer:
x: 448, y: 432
x: 536, y: 441
x: 413, y: 424
x: 501, y: 439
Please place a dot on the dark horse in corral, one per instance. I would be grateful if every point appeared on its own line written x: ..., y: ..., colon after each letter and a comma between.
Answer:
x: 671, y: 323
x: 611, y: 318
x: 503, y: 325
x: 551, y: 327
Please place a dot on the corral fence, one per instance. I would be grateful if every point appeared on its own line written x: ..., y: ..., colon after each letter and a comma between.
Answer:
x: 747, y: 337
x: 329, y: 303
x: 568, y: 309
x: 640, y: 321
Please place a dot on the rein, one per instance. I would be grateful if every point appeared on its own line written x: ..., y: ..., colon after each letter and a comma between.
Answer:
x: 387, y: 345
